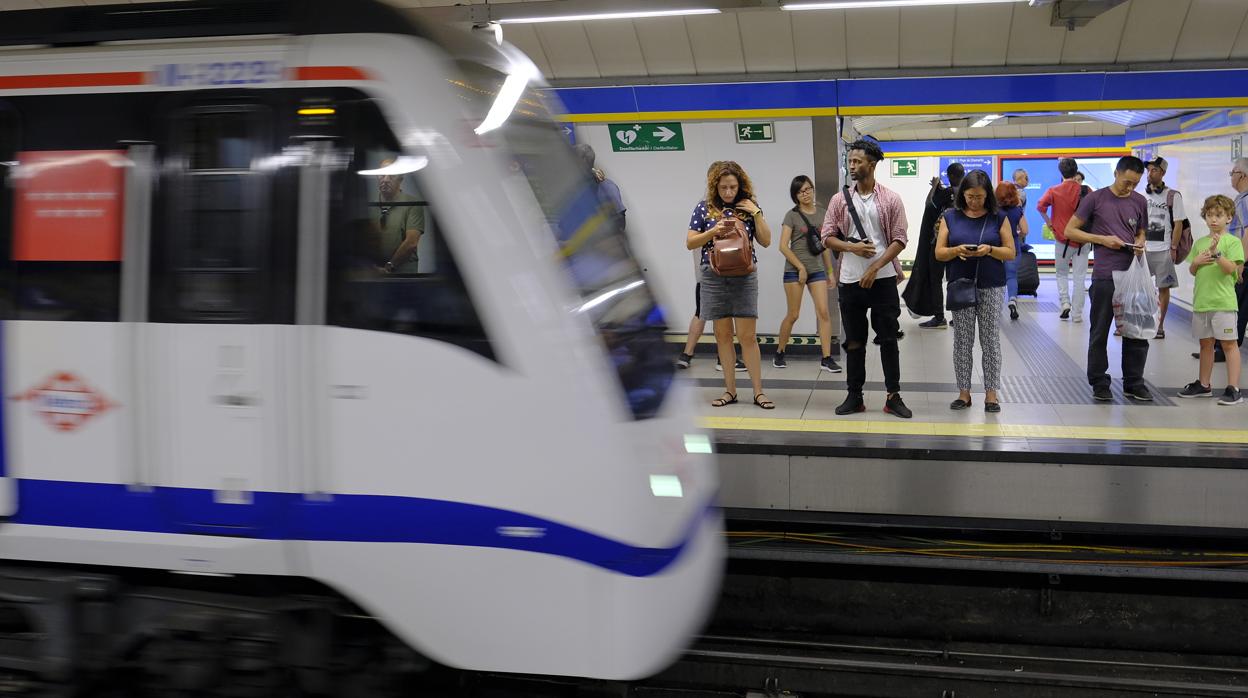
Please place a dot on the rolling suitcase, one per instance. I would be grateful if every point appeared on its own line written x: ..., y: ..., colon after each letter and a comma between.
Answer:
x: 1028, y: 274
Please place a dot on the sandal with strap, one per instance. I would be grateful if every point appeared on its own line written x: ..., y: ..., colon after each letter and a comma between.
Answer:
x: 762, y: 401
x: 720, y: 402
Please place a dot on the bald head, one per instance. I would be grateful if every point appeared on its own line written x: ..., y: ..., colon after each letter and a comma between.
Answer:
x: 388, y: 185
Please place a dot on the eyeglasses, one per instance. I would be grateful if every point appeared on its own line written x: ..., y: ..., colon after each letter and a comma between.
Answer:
x: 1237, y: 172
x: 806, y: 190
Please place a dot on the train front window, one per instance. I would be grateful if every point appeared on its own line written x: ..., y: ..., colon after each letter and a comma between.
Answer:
x: 595, y: 252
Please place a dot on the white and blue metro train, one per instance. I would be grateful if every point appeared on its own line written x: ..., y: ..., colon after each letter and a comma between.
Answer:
x: 317, y: 309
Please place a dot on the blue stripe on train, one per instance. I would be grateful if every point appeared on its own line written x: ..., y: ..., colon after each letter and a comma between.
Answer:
x: 350, y: 517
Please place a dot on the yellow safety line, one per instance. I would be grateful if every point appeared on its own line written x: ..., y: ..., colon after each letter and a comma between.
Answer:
x: 1036, y: 431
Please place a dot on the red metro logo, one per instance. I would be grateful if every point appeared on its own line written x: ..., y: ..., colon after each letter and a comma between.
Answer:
x: 65, y: 401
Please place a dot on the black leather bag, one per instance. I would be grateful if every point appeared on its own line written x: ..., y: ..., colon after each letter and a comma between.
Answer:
x: 814, y: 242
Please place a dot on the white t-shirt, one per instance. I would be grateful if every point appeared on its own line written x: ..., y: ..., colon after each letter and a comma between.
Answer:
x: 853, y: 266
x: 1159, y: 219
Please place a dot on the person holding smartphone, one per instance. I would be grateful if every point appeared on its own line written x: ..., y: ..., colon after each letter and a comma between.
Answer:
x: 1119, y: 222
x: 975, y: 240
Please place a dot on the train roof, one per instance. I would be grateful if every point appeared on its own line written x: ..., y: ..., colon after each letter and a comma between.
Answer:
x: 87, y: 25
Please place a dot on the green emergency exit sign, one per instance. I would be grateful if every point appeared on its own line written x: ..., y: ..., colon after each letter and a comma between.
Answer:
x: 905, y: 167
x: 638, y: 138
x: 756, y: 132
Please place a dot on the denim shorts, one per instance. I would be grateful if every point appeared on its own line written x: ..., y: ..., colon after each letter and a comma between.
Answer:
x: 790, y: 277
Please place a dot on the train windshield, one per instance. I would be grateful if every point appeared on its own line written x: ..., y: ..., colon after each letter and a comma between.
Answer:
x: 595, y: 252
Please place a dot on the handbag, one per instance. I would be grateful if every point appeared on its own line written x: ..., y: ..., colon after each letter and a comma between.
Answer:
x: 962, y: 293
x: 814, y: 242
x: 732, y: 254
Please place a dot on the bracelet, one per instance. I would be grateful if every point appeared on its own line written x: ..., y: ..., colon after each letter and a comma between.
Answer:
x: 759, y: 212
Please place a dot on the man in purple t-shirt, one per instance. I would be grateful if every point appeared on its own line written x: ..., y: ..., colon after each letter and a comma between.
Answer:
x: 1116, y: 218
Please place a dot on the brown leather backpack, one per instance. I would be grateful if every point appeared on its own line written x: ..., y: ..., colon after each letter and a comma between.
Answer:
x: 733, y: 254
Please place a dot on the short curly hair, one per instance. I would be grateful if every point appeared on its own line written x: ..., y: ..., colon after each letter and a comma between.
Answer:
x: 1218, y: 202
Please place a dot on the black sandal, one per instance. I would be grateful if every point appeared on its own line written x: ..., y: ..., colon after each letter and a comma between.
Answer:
x: 762, y: 401
x: 721, y: 402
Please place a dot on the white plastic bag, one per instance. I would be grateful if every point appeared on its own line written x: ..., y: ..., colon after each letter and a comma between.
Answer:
x: 1135, y: 301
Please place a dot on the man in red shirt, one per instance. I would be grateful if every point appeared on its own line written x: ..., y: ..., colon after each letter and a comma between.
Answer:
x: 1063, y: 199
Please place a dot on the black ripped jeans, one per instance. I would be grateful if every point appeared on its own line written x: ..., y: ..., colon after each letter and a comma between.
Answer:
x: 884, y: 306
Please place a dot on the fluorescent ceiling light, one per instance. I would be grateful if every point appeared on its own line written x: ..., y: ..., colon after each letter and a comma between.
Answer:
x: 861, y: 4
x: 986, y: 120
x: 401, y: 166
x: 609, y: 15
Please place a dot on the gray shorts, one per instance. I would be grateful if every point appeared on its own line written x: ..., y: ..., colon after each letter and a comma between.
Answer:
x: 1215, y: 324
x: 728, y: 296
x: 1161, y: 266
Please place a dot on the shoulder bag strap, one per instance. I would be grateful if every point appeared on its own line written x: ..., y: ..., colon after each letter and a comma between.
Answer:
x: 853, y: 213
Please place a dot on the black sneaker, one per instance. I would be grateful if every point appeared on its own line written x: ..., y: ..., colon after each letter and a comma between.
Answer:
x: 829, y: 364
x: 684, y: 360
x: 853, y: 403
x: 778, y: 360
x: 740, y: 366
x: 1230, y: 396
x: 895, y: 406
x: 1065, y: 312
x: 1195, y: 389
x: 1101, y: 394
x: 1013, y: 311
x: 1138, y: 392
x: 936, y: 323
x: 1218, y: 357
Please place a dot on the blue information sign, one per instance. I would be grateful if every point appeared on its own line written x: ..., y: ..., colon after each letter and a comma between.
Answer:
x: 970, y: 162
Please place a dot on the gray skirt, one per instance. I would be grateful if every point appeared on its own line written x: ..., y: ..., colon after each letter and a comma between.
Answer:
x: 728, y: 296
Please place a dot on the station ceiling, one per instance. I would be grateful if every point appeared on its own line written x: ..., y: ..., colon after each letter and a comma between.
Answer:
x: 754, y: 39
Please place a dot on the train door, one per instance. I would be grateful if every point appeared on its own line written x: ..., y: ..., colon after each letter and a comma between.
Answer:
x: 221, y: 309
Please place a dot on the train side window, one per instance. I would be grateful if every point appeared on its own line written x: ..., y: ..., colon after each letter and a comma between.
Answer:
x: 8, y: 161
x: 390, y: 268
x: 221, y: 250
x: 62, y: 222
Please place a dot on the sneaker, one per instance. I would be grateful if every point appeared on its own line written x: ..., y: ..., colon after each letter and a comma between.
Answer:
x: 1218, y: 357
x: 853, y: 403
x: 901, y: 334
x: 778, y: 360
x: 739, y: 367
x: 684, y: 360
x: 1065, y: 311
x: 829, y: 364
x: 895, y: 406
x: 1013, y: 311
x: 1077, y: 319
x: 1101, y: 394
x: 1138, y: 392
x: 936, y: 323
x: 1195, y: 389
x: 1230, y: 396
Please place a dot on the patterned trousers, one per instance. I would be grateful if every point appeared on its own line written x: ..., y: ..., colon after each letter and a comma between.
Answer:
x: 988, y: 313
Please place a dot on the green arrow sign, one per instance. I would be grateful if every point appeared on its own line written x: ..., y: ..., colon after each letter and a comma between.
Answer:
x: 756, y: 132
x: 639, y: 137
x: 905, y: 167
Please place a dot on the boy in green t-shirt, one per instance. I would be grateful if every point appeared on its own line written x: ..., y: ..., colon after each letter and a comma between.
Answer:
x: 1217, y: 261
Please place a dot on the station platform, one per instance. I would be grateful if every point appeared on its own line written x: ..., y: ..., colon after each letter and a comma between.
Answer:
x: 1052, y: 457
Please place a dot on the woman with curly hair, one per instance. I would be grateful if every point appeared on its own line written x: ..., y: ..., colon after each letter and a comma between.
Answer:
x: 1011, y: 206
x: 730, y: 302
